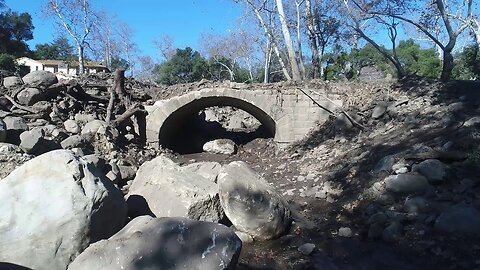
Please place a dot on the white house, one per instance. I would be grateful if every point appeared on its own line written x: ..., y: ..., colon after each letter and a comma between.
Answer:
x: 59, y: 66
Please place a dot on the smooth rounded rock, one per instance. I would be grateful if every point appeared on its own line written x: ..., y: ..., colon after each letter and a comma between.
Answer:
x: 40, y: 78
x: 220, y: 146
x: 251, y: 204
x: 54, y: 206
x: 29, y: 96
x: 11, y: 81
x: 433, y: 169
x: 406, y: 183
x: 71, y: 126
x: 93, y: 126
x: 165, y: 189
x: 460, y: 219
x: 164, y: 243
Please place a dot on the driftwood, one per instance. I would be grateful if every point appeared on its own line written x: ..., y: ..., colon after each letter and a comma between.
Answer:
x: 120, y: 100
x: 21, y: 107
x: 134, y: 110
x: 77, y: 92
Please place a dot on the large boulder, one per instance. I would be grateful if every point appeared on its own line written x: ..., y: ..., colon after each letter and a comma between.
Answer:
x: 52, y: 208
x: 220, y: 146
x: 459, y: 219
x: 34, y: 142
x: 164, y: 243
x: 15, y: 126
x: 30, y: 96
x: 93, y: 126
x: 40, y: 78
x: 209, y: 170
x: 251, y: 204
x: 169, y: 190
x: 433, y: 169
x: 11, y: 81
x: 406, y: 183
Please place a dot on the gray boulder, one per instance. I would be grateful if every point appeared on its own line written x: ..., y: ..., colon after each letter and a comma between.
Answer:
x: 93, y: 126
x: 209, y: 170
x: 460, y: 219
x: 3, y: 131
x: 15, y: 126
x: 384, y: 164
x: 40, y: 78
x: 406, y: 183
x: 251, y: 204
x: 52, y: 208
x: 74, y: 141
x: 71, y: 126
x: 164, y: 243
x: 220, y: 146
x: 34, y: 142
x: 379, y: 110
x: 169, y: 190
x: 433, y: 169
x: 30, y: 96
x: 11, y: 81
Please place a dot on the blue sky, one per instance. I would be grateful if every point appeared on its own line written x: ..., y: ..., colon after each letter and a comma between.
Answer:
x: 184, y: 20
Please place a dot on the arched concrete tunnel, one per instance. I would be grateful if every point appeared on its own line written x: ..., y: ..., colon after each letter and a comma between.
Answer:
x: 184, y: 131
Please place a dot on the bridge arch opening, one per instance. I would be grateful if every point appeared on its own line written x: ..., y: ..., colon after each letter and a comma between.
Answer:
x: 186, y: 130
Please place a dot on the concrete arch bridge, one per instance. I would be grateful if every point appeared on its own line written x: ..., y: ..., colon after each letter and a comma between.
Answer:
x: 286, y: 114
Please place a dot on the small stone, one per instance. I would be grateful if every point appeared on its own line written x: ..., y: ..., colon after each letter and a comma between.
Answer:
x: 402, y: 170
x: 379, y: 110
x: 393, y: 232
x: 306, y: 249
x: 378, y: 218
x: 345, y: 232
x: 416, y: 205
x: 472, y: 121
x: 221, y: 146
x: 433, y: 169
x: 71, y: 126
x: 385, y: 164
x: 375, y: 231
x: 406, y: 183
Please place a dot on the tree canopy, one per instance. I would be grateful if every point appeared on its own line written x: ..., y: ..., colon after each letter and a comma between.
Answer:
x: 59, y: 49
x: 15, y: 29
x: 184, y: 66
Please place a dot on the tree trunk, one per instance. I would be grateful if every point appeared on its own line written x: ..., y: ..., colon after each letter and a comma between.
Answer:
x: 81, y: 66
x: 271, y: 38
x: 288, y: 42
x: 268, y: 59
x: 448, y: 65
x: 316, y: 60
x: 299, y: 43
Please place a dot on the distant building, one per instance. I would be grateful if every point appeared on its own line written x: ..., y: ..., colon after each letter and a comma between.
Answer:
x: 59, y: 66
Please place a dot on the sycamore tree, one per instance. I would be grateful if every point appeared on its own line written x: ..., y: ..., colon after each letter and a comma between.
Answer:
x: 77, y: 18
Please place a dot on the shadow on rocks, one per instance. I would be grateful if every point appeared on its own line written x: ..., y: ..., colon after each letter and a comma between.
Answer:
x: 138, y: 206
x: 11, y: 266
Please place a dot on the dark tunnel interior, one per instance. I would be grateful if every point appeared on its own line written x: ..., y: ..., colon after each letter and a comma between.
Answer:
x: 185, y: 131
